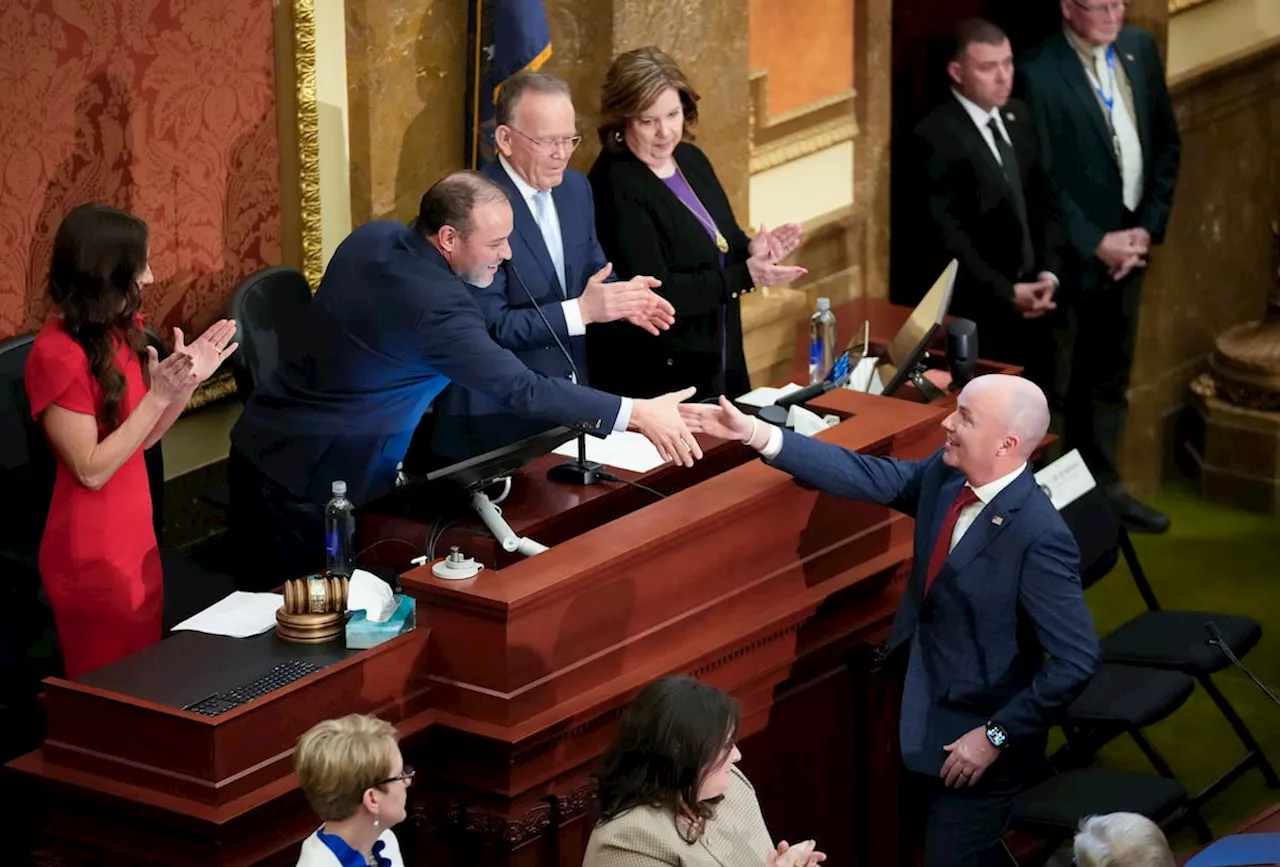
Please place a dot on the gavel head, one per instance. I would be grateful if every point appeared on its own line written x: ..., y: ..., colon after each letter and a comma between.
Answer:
x: 316, y: 594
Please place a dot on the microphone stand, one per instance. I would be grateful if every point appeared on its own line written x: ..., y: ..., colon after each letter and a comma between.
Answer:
x: 579, y: 472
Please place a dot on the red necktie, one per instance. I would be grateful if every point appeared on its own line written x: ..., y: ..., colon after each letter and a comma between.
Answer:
x: 942, y: 547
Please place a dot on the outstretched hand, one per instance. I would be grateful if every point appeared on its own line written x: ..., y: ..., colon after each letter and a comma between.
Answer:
x: 661, y: 420
x: 209, y: 350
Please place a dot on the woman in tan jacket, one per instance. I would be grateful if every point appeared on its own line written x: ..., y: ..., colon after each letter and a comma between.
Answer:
x: 669, y: 792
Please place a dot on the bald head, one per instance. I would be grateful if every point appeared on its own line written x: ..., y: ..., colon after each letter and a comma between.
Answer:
x: 998, y: 422
x: 1023, y: 409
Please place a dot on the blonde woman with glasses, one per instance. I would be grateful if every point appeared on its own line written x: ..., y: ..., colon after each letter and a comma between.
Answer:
x: 355, y: 779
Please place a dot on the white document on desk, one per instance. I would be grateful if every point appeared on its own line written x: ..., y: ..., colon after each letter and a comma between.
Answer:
x: 239, y: 615
x: 622, y: 450
x: 765, y: 395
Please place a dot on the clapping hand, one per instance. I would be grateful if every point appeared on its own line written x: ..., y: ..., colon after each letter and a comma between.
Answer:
x: 171, y: 379
x: 776, y: 244
x: 800, y: 855
x: 209, y: 350
x: 633, y: 300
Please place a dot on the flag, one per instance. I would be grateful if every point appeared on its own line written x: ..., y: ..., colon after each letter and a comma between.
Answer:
x: 505, y: 37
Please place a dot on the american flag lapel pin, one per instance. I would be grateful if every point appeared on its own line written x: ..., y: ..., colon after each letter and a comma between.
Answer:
x: 997, y: 520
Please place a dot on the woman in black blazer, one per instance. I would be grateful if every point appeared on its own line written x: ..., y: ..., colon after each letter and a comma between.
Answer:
x: 660, y: 211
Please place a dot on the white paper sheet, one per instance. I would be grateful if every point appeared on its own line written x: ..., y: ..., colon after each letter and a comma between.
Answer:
x: 1066, y: 479
x: 766, y: 395
x: 239, y: 615
x: 622, y: 450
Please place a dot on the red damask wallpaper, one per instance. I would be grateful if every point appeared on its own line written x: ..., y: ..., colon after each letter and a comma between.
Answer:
x: 165, y: 108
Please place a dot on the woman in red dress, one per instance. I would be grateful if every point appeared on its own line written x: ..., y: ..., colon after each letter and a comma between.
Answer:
x: 102, y: 396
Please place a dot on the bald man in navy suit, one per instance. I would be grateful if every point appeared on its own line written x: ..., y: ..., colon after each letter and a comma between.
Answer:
x: 993, y: 624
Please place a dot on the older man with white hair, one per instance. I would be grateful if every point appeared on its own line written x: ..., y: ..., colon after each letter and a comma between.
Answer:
x: 1122, y: 840
x: 992, y: 627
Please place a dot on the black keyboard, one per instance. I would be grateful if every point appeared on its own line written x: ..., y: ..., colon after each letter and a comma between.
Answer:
x: 282, y: 675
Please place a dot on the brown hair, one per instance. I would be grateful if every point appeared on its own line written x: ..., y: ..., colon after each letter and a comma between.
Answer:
x: 634, y: 82
x: 339, y: 759
x: 98, y: 254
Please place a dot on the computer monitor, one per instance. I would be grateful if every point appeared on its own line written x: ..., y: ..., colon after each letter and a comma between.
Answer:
x: 909, y: 345
x: 475, y: 473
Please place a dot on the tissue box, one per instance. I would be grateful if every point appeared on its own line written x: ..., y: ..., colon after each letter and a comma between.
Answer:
x: 363, y: 633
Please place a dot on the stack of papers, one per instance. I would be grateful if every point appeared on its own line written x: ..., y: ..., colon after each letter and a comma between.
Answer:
x: 239, y: 615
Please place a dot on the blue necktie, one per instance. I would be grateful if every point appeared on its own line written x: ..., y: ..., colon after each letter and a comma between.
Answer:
x: 550, y: 234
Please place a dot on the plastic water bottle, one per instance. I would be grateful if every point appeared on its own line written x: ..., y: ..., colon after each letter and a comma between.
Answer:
x: 822, y: 341
x: 339, y: 531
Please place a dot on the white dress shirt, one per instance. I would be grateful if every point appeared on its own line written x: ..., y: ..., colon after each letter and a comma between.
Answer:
x: 572, y: 312
x: 986, y: 493
x: 982, y: 119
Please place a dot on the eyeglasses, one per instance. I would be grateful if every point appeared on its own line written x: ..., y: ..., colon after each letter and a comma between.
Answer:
x: 406, y: 775
x: 551, y: 145
x: 1114, y: 7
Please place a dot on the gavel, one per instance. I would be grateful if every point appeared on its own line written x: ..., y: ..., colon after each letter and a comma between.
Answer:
x: 314, y: 609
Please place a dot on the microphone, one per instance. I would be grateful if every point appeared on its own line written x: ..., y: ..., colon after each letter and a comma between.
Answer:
x: 962, y: 350
x: 1217, y: 640
x: 581, y: 471
x: 776, y: 413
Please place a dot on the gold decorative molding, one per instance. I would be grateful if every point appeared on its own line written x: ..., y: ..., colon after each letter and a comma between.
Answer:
x: 782, y: 138
x: 1176, y: 6
x: 217, y: 388
x: 308, y: 120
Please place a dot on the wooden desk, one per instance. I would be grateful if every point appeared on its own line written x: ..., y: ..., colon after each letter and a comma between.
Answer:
x: 741, y: 577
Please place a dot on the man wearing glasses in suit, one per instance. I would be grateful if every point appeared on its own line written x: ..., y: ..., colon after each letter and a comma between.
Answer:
x: 557, y: 282
x: 1110, y: 143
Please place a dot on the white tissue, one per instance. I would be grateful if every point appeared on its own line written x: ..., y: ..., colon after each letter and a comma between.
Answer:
x: 804, y: 421
x: 866, y: 378
x: 372, y: 595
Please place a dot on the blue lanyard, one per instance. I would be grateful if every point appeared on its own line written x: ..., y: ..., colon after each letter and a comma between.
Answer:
x: 1109, y: 101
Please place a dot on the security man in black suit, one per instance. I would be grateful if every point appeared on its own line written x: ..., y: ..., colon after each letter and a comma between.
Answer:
x: 990, y: 204
x: 1110, y: 143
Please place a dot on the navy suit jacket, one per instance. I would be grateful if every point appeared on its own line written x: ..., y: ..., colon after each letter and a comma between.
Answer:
x: 1075, y: 142
x: 1008, y: 594
x: 468, y: 423
x: 388, y: 329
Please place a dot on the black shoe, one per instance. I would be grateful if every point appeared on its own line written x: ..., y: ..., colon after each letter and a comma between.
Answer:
x: 1138, y: 517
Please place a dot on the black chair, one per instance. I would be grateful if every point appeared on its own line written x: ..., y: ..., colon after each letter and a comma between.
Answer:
x: 1150, y: 663
x: 267, y: 307
x: 1053, y: 810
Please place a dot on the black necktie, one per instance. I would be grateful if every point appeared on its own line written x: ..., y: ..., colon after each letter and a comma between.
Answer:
x: 1011, y: 176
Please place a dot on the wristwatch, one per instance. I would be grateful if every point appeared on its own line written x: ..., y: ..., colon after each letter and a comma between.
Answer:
x: 996, y: 734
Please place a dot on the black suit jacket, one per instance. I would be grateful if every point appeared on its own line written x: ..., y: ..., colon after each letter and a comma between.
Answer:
x: 645, y: 229
x: 1076, y: 145
x: 973, y: 216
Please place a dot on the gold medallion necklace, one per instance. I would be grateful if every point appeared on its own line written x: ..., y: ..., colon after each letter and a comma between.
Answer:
x: 722, y: 244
